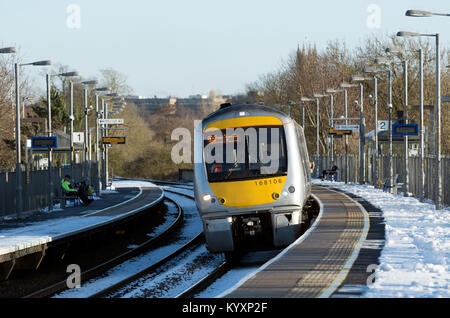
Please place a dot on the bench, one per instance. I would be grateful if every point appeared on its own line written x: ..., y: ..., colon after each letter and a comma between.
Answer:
x: 332, y: 177
x: 64, y: 197
x: 394, y: 187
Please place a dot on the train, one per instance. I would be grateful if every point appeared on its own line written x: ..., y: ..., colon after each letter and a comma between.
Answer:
x: 252, y: 178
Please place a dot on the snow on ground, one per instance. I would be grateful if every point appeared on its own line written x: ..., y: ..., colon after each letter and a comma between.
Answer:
x: 46, y: 231
x: 415, y: 259
x: 192, y: 226
x: 131, y: 184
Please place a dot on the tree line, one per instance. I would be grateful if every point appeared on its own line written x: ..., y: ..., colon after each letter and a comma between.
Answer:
x: 309, y: 70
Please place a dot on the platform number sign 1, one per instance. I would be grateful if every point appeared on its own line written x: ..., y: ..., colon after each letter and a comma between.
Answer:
x: 78, y: 137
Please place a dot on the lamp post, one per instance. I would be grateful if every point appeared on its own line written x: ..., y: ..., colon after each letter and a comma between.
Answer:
x: 417, y: 13
x: 303, y: 100
x: 331, y: 91
x: 317, y: 96
x: 49, y: 129
x: 331, y: 124
x: 8, y: 50
x: 105, y: 133
x: 86, y: 144
x: 86, y: 112
x: 423, y: 14
x: 97, y: 135
x: 386, y: 62
x: 19, y: 201
x: 361, y: 129
x: 362, y: 126
x: 405, y: 110
x: 422, y: 149
x: 306, y: 99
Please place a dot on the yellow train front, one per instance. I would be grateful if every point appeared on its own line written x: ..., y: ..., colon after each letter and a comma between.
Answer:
x: 251, y: 178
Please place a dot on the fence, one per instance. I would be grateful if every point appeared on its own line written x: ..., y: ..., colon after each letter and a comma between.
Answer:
x: 36, y: 186
x: 399, y: 168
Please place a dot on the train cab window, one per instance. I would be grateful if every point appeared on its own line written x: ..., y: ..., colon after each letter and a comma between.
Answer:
x: 249, y: 153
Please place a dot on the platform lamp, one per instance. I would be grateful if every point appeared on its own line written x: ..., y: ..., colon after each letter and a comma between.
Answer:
x: 307, y: 99
x: 97, y: 135
x: 386, y: 62
x: 48, y: 78
x: 361, y: 124
x: 19, y: 188
x: 395, y: 52
x: 105, y: 134
x: 333, y: 91
x: 317, y: 97
x: 417, y: 13
x: 86, y: 150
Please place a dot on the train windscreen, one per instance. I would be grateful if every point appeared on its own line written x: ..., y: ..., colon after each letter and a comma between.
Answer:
x: 245, y: 153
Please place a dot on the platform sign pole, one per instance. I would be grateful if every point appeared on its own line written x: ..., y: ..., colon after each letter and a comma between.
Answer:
x: 103, y: 148
x: 71, y: 122
x: 438, y: 127
x: 391, y: 167
x: 375, y: 116
x: 49, y: 133
x: 106, y: 149
x: 405, y: 97
x: 422, y: 148
x: 19, y: 201
x: 331, y: 125
x: 317, y: 137
x: 97, y: 144
x: 303, y: 116
x: 362, y: 158
x: 346, y: 137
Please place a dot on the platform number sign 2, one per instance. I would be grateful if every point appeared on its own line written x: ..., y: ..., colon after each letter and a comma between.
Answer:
x: 383, y: 125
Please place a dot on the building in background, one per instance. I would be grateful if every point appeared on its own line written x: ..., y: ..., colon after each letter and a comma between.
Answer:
x: 199, y: 104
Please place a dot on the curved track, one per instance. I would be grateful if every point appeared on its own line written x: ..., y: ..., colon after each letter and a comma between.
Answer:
x: 158, y: 267
x: 102, y: 268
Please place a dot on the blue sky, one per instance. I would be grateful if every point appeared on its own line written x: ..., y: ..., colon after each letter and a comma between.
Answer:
x: 178, y: 48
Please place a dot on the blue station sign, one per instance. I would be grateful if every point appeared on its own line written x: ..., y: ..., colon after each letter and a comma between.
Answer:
x: 405, y: 130
x: 44, y: 142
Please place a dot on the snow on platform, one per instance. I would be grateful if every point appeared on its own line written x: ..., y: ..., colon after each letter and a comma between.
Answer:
x: 132, y: 184
x: 415, y: 259
x: 42, y: 232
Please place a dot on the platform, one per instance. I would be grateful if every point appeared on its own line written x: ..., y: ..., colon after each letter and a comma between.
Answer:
x: 23, y: 242
x: 318, y: 262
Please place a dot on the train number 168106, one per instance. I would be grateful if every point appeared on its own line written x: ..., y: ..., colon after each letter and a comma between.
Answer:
x: 268, y: 182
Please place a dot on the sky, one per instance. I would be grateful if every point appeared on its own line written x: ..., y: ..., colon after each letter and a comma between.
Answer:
x: 186, y: 47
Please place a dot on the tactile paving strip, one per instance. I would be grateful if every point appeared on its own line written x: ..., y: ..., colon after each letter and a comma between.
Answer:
x: 311, y: 267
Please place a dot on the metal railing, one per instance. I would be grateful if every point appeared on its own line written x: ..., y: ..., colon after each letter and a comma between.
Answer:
x: 36, y: 188
x: 430, y: 168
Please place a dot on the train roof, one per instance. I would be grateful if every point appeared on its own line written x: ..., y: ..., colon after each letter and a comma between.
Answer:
x: 231, y: 111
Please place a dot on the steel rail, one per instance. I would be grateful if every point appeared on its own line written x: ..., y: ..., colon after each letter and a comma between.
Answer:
x: 103, y: 267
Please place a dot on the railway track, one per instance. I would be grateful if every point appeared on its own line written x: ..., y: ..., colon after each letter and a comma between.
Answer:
x: 196, y: 242
x: 163, y: 265
x: 103, y: 267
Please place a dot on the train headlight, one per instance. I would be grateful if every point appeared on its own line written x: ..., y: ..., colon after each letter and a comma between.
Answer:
x: 207, y: 197
x: 291, y: 189
x: 275, y: 196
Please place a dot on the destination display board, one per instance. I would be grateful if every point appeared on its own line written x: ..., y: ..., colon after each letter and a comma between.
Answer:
x: 44, y: 142
x: 405, y: 130
x: 347, y: 127
x: 114, y: 140
x: 333, y: 131
x: 111, y: 121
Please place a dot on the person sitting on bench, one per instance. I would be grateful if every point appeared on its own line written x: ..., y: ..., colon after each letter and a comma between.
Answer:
x: 331, y: 172
x: 67, y: 187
